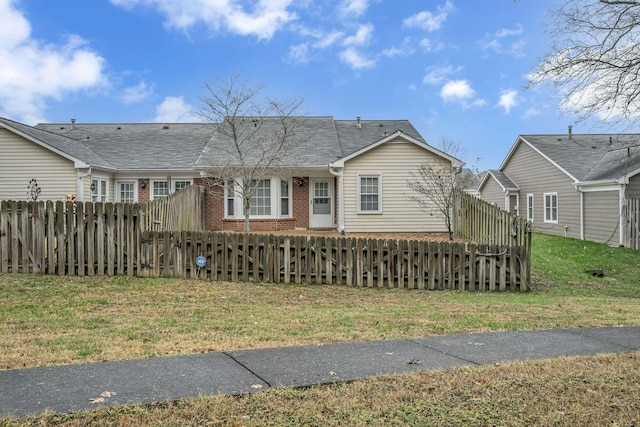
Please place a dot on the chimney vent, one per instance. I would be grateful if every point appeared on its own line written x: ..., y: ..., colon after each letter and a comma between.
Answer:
x: 358, y: 123
x: 570, y: 132
x: 73, y: 123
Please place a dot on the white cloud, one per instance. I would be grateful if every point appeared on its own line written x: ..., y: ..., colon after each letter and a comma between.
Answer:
x: 361, y: 37
x: 329, y: 39
x: 496, y: 43
x: 460, y: 91
x: 531, y: 112
x: 352, y: 8
x: 137, y: 93
x: 263, y: 20
x: 403, y: 50
x: 428, y: 46
x: 437, y: 75
x: 298, y: 54
x: 508, y: 100
x: 175, y: 110
x: 31, y: 73
x: 430, y: 21
x: 355, y: 59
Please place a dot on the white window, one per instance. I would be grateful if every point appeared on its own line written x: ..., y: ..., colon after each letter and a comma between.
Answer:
x: 271, y: 198
x: 551, y: 207
x: 530, y: 207
x: 230, y: 205
x: 98, y: 190
x: 159, y: 189
x: 261, y: 198
x: 285, y: 198
x: 126, y: 192
x: 179, y: 185
x: 369, y: 193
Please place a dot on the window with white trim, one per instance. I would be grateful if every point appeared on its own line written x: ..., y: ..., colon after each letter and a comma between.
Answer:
x: 551, y: 207
x: 179, y: 185
x: 98, y: 190
x: 159, y: 189
x: 530, y: 207
x: 261, y: 198
x: 370, y: 193
x: 285, y: 198
x: 230, y: 204
x: 126, y: 191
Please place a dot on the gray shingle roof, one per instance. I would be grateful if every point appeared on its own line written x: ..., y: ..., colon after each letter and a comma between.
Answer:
x: 183, y: 146
x: 72, y: 147
x: 591, y: 157
x: 140, y: 146
x: 503, y: 180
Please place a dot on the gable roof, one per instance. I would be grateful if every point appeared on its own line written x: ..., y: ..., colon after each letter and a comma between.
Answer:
x: 139, y: 146
x: 587, y: 157
x: 69, y: 148
x: 394, y: 136
x: 501, y: 178
x: 188, y: 146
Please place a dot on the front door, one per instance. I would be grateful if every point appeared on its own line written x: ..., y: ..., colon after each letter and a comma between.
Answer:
x: 321, y: 203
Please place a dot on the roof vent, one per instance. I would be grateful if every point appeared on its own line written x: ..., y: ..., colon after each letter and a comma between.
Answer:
x: 358, y: 123
x: 73, y: 123
x: 570, y: 132
x: 166, y: 127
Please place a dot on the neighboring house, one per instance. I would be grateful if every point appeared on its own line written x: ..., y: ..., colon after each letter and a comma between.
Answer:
x: 572, y: 185
x: 349, y: 175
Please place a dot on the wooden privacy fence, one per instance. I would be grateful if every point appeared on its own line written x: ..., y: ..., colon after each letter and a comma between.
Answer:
x: 632, y: 224
x: 86, y: 239
x: 479, y: 221
x: 182, y: 210
x: 335, y: 261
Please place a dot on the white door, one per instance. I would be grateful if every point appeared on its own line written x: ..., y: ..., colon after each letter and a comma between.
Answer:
x: 321, y: 203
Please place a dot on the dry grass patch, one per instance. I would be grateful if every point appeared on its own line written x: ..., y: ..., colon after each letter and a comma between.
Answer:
x: 48, y: 320
x: 578, y: 391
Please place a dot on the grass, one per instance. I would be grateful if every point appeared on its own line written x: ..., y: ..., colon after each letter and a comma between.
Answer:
x: 61, y: 320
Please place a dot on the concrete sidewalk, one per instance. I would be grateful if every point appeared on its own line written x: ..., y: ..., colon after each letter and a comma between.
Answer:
x: 71, y: 388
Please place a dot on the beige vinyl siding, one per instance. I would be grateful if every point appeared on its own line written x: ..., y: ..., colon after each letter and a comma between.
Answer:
x: 633, y: 188
x: 492, y: 192
x: 394, y: 161
x: 536, y: 175
x: 21, y: 160
x: 602, y: 217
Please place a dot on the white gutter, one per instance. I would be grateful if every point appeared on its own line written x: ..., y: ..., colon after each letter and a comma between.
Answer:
x: 340, y: 198
x: 79, y: 184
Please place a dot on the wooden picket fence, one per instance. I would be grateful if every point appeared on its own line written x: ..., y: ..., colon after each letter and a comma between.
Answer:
x: 105, y: 239
x: 478, y: 221
x: 632, y: 224
x: 335, y: 261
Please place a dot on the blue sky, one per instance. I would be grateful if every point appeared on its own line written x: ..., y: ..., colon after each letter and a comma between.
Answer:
x: 455, y: 68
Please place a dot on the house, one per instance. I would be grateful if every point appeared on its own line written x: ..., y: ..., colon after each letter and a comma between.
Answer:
x: 573, y: 184
x: 349, y: 175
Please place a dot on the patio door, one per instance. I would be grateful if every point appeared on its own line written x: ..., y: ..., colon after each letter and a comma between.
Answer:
x: 321, y: 203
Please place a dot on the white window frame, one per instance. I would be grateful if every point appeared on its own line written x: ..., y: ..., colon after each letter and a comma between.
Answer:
x: 548, y: 216
x: 118, y: 190
x: 530, y: 207
x: 152, y: 188
x: 100, y: 184
x: 183, y: 183
x: 378, y: 176
x: 234, y: 198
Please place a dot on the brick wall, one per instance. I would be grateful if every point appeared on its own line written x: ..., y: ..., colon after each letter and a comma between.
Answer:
x: 300, y: 201
x: 143, y: 193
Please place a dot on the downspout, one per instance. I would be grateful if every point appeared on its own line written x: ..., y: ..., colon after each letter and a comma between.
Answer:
x: 79, y: 184
x: 622, y: 215
x: 340, y: 197
x: 581, y: 212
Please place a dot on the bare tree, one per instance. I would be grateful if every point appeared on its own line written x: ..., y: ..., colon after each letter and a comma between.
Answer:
x: 594, y: 60
x: 253, y: 140
x: 435, y: 184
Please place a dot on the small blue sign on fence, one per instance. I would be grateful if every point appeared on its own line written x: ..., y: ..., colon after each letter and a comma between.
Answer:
x: 201, y: 261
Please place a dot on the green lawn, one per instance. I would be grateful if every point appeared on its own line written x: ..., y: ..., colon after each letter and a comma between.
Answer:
x: 60, y: 320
